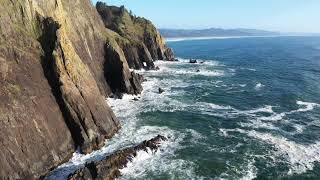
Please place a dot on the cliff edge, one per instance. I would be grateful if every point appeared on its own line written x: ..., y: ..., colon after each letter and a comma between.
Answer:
x: 58, y: 63
x: 139, y: 39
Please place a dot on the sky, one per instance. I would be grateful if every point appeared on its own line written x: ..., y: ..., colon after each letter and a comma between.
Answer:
x: 275, y: 15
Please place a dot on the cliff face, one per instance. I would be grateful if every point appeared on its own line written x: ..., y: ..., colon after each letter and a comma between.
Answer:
x: 58, y: 63
x: 139, y: 39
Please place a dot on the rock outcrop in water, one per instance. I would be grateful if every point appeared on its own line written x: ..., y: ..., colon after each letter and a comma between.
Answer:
x: 58, y: 63
x: 109, y: 167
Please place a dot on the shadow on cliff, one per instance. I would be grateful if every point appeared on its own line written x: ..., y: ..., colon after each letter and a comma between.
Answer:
x: 48, y: 41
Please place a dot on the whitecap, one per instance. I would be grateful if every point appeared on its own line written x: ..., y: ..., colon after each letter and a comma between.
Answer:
x: 267, y: 109
x: 212, y: 106
x: 223, y: 132
x: 258, y: 86
x: 308, y: 106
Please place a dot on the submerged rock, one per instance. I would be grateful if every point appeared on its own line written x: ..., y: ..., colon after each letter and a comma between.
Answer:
x: 109, y: 168
x: 160, y: 90
x: 193, y: 61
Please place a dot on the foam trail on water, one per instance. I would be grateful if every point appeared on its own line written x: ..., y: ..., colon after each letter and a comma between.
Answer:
x: 300, y: 157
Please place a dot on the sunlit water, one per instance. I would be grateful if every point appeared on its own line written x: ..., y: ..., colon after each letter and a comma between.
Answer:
x: 251, y: 112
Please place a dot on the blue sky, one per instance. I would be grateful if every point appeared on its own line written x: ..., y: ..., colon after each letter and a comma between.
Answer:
x: 278, y: 15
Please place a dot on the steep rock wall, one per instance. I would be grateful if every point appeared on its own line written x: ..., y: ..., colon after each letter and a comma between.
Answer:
x: 137, y: 37
x: 52, y: 85
x: 58, y: 63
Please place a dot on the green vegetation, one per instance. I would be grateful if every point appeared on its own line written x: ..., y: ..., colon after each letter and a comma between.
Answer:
x: 124, y: 22
x: 14, y: 89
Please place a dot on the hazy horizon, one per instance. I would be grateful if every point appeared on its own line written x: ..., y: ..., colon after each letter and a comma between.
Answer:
x: 291, y: 16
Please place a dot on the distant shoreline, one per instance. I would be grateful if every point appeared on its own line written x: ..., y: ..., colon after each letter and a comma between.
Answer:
x: 175, y: 39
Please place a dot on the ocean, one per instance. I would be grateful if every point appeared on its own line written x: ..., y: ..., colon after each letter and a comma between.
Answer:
x: 251, y: 110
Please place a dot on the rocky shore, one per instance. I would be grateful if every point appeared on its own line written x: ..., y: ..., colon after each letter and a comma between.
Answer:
x: 59, y: 61
x: 109, y: 167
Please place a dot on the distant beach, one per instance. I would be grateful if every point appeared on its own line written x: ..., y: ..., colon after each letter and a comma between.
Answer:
x: 176, y: 39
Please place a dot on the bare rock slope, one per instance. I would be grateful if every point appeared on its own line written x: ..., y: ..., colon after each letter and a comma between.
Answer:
x: 58, y: 63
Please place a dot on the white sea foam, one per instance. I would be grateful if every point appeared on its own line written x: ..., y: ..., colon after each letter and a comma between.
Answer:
x: 258, y: 86
x: 308, y: 106
x: 305, y: 107
x: 250, y: 172
x: 223, y: 132
x: 146, y: 162
x: 267, y: 109
x: 201, y: 62
x: 172, y: 69
x: 300, y: 157
x: 127, y: 109
x: 196, y: 71
x: 210, y: 106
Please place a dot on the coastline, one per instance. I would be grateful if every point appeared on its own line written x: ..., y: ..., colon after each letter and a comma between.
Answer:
x: 177, y: 39
x: 123, y: 139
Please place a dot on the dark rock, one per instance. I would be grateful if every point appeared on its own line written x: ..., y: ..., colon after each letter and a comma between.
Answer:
x: 198, y: 70
x: 117, y: 95
x: 169, y: 54
x: 176, y: 60
x: 136, y: 80
x: 202, y: 62
x: 109, y: 167
x: 135, y: 99
x: 193, y: 61
x: 157, y: 68
x: 117, y: 72
x: 161, y: 90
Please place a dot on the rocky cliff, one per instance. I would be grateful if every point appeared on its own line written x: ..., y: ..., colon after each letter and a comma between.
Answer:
x: 58, y: 63
x: 139, y: 39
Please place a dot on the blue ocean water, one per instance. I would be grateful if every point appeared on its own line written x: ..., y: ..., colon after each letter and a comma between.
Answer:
x: 250, y: 111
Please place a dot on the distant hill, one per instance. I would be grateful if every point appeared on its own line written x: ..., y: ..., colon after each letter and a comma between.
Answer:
x: 212, y: 32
